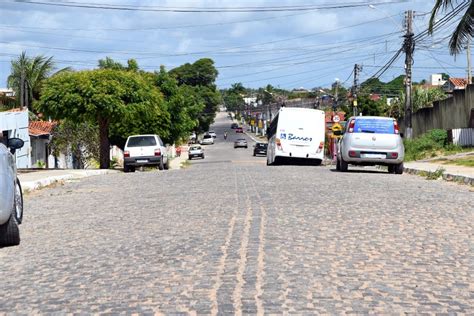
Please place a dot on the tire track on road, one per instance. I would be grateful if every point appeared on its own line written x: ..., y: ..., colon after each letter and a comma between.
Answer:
x: 225, y: 249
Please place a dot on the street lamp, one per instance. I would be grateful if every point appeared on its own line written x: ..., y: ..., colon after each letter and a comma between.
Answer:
x: 387, y: 15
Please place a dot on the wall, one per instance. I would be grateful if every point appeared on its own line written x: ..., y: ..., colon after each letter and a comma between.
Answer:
x: 454, y: 112
x: 16, y: 123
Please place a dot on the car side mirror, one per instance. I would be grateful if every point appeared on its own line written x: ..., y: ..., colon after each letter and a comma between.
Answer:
x: 401, y: 135
x: 14, y: 144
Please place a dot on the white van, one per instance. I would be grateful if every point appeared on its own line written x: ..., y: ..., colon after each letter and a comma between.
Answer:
x: 296, y: 133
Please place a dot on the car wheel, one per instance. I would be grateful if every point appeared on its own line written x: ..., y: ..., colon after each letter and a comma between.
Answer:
x: 190, y: 158
x: 338, y: 164
x: 391, y: 169
x: 343, y: 165
x: 161, y: 165
x: 254, y: 154
x: 202, y: 156
x: 246, y: 146
x: 126, y: 168
x: 167, y: 164
x: 398, y: 168
x: 18, y: 202
x: 9, y: 233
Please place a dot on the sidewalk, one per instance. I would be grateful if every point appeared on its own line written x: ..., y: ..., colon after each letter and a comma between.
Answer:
x: 449, y: 172
x: 176, y: 162
x: 35, y: 180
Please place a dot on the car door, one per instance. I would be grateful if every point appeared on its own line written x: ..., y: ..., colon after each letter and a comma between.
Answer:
x: 7, y: 180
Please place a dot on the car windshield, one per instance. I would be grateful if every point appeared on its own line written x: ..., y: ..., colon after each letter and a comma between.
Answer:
x: 195, y: 148
x: 374, y: 125
x: 139, y: 141
x: 207, y: 136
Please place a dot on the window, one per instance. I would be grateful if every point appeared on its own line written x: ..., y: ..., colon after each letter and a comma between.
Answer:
x: 374, y: 125
x: 140, y: 141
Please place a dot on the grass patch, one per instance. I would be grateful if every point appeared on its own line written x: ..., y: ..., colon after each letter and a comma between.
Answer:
x: 436, y: 174
x: 432, y: 144
x: 465, y: 161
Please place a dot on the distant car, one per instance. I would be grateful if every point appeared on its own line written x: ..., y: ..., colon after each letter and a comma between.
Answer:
x: 207, y: 140
x: 144, y: 150
x: 260, y: 149
x: 239, y: 130
x: 371, y: 140
x: 11, y: 196
x: 195, y: 151
x: 212, y: 133
x: 241, y: 142
x: 234, y: 125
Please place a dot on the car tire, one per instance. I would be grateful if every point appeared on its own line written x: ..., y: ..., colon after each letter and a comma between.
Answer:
x: 398, y: 169
x: 126, y: 168
x: 10, y: 233
x: 167, y: 164
x: 254, y: 154
x: 18, y: 207
x: 161, y: 166
x: 202, y: 156
x: 246, y: 147
x: 391, y: 169
x: 338, y: 164
x: 343, y: 165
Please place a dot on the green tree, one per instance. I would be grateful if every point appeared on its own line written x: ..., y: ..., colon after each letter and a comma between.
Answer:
x: 28, y: 75
x: 367, y: 106
x: 105, y: 97
x: 109, y: 63
x: 464, y: 30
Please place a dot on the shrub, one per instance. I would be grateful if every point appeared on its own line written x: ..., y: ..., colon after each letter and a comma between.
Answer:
x: 425, y: 145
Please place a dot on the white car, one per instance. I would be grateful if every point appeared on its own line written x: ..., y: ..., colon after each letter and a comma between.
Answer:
x: 212, y: 133
x: 369, y: 141
x: 207, y: 139
x: 195, y: 151
x: 11, y: 197
x: 144, y: 150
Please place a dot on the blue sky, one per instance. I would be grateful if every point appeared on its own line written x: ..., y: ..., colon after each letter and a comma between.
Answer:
x: 288, y: 49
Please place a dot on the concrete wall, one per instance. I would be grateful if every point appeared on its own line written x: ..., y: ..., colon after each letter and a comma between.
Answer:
x: 454, y: 112
x: 16, y: 124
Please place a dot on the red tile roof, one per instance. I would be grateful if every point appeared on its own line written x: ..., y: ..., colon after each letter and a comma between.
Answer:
x: 458, y: 82
x: 38, y: 128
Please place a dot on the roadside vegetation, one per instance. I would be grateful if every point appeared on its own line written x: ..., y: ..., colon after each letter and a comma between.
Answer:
x: 431, y: 144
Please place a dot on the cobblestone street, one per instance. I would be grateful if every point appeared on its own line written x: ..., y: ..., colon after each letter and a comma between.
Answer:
x: 230, y: 235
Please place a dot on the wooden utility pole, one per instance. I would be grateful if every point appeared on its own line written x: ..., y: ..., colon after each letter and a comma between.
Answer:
x: 355, y: 86
x: 409, y: 47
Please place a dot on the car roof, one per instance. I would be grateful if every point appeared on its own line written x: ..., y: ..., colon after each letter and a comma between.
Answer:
x: 372, y: 117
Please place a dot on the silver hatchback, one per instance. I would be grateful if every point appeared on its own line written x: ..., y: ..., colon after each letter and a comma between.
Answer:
x: 11, y: 197
x: 369, y: 141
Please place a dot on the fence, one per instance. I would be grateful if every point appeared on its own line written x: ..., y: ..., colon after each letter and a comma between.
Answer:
x: 461, y: 136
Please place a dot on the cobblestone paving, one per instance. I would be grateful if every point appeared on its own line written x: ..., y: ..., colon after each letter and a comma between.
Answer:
x: 244, y: 238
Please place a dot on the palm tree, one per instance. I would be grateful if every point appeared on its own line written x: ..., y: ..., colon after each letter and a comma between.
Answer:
x: 27, y: 77
x: 464, y: 30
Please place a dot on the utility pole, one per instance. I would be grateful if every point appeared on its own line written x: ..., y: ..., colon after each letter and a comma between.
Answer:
x: 409, y: 47
x: 355, y: 86
x: 469, y: 74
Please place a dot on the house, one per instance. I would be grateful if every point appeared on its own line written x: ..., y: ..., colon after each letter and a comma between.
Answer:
x: 436, y: 80
x: 40, y: 137
x: 14, y: 123
x: 455, y: 84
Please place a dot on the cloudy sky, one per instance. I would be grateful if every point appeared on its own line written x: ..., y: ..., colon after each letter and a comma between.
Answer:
x: 286, y: 43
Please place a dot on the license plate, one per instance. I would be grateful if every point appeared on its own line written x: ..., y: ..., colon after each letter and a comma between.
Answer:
x: 142, y: 160
x: 375, y: 156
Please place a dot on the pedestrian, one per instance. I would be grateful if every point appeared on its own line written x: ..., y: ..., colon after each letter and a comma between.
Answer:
x: 178, y: 151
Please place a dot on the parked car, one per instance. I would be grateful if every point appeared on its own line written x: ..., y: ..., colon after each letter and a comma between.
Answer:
x: 11, y: 196
x: 371, y: 140
x: 234, y: 125
x: 212, y: 133
x: 195, y: 151
x: 144, y: 150
x: 239, y: 130
x: 241, y: 142
x: 207, y: 139
x: 260, y: 149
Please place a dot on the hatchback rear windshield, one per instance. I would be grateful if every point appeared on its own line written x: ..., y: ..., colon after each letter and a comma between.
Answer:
x: 195, y: 148
x: 207, y: 136
x: 373, y: 125
x: 139, y: 141
x: 261, y: 145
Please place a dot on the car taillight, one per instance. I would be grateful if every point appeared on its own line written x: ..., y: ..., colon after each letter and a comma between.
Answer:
x: 351, y: 126
x: 157, y: 152
x: 394, y: 155
x: 395, y: 127
x: 352, y: 153
x: 126, y: 154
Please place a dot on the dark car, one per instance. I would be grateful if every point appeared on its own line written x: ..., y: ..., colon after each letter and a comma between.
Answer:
x: 260, y: 149
x: 234, y: 125
x: 239, y: 130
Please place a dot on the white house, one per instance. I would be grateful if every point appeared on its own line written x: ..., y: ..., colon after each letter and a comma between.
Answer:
x: 14, y: 123
x: 437, y: 80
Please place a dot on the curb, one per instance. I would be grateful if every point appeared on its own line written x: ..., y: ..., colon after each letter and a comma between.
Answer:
x: 446, y: 176
x: 28, y: 186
